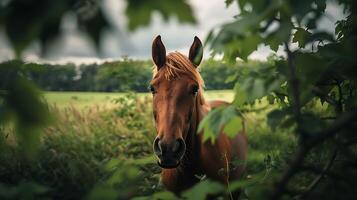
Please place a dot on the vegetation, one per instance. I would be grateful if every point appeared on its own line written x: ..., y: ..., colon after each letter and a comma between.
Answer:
x: 87, y: 100
x: 118, y: 76
x: 84, y: 153
x: 76, y: 152
x: 312, y: 91
x: 300, y: 111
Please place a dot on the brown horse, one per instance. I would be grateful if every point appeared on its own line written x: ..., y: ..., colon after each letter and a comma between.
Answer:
x: 178, y: 108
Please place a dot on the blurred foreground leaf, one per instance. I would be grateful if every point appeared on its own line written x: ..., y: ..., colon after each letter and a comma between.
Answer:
x: 216, y: 120
x: 202, y: 189
x: 23, y: 106
x: 139, y: 12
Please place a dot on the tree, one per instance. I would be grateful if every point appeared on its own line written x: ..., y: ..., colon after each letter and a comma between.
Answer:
x: 322, y: 70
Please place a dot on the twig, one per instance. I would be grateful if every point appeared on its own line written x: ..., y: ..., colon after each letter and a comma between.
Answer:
x: 340, y: 123
x: 317, y: 171
x: 227, y: 176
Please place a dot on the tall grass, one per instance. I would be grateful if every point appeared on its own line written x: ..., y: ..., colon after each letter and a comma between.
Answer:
x: 75, y: 149
x: 102, y: 152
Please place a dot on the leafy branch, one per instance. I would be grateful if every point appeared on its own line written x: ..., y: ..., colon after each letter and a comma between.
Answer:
x: 298, y: 160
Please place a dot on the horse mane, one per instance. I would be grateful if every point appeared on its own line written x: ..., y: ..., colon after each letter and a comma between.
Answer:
x: 176, y: 65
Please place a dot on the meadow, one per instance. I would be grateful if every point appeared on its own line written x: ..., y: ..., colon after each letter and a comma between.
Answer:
x: 82, y: 100
x: 100, y: 147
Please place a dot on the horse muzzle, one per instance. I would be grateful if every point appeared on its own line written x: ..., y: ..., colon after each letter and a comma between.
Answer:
x: 169, y: 155
x: 168, y: 165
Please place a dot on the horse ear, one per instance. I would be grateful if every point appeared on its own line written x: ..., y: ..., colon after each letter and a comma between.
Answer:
x: 158, y: 52
x: 196, y: 52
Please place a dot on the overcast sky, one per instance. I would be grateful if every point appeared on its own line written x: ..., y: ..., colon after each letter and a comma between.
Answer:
x: 73, y: 45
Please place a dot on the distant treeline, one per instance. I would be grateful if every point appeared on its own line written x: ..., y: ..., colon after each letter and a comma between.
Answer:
x: 116, y: 76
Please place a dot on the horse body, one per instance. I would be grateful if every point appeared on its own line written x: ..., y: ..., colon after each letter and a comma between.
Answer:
x: 205, y: 158
x: 178, y: 108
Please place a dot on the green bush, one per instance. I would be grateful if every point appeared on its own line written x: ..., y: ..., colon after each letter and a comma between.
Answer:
x: 74, y: 151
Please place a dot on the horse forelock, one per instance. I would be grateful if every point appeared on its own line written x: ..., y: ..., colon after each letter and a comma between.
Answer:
x: 176, y: 65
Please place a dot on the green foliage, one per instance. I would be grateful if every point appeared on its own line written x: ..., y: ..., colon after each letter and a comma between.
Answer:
x: 86, y: 153
x: 24, y: 190
x: 26, y: 117
x: 139, y: 11
x: 100, y: 152
x: 220, y: 75
x: 165, y: 195
x: 115, y: 76
x: 202, y: 189
x: 119, y: 76
x: 123, y: 182
x: 310, y: 90
x: 301, y: 36
x: 215, y: 121
x: 28, y: 21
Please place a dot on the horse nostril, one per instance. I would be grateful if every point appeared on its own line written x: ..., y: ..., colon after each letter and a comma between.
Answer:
x: 157, y: 146
x: 176, y: 146
x: 176, y: 149
x: 179, y: 147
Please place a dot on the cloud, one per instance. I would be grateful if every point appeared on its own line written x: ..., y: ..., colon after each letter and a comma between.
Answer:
x: 120, y: 42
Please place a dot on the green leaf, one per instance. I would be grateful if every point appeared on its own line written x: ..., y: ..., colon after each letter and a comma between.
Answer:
x: 280, y: 35
x: 99, y: 193
x: 231, y: 78
x: 164, y: 195
x: 300, y: 36
x: 202, y: 189
x: 238, y: 184
x: 249, y: 45
x: 276, y: 117
x: 233, y: 127
x: 212, y: 124
x: 94, y: 26
x: 239, y: 95
x: 237, y: 39
x: 254, y: 88
x: 242, y: 3
x: 139, y: 12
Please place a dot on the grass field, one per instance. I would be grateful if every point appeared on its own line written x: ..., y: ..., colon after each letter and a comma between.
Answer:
x: 88, y: 99
x: 90, y: 149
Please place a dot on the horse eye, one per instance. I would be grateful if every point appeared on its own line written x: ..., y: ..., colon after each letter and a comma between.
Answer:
x: 152, y: 89
x: 195, y: 90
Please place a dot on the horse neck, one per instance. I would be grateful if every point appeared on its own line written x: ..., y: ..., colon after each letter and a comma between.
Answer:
x: 193, y: 140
